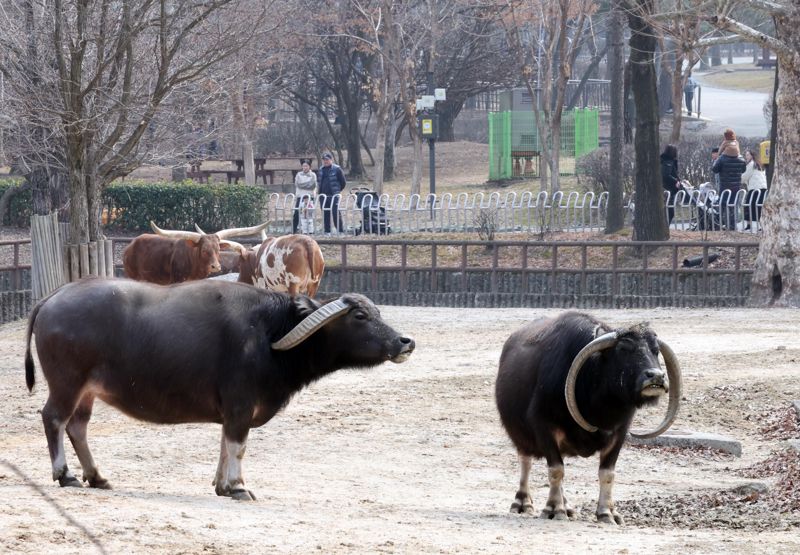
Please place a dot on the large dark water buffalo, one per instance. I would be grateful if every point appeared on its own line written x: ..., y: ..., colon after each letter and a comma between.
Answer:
x: 570, y: 386
x: 204, y: 351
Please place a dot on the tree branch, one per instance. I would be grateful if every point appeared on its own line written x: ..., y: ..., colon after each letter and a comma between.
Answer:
x: 725, y: 23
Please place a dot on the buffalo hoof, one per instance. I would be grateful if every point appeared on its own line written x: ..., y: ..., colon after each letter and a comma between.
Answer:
x: 99, y: 483
x: 69, y: 482
x: 522, y: 506
x: 242, y: 495
x: 561, y: 514
x: 611, y: 518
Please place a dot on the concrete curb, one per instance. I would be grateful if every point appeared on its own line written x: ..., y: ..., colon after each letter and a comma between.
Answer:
x: 690, y: 440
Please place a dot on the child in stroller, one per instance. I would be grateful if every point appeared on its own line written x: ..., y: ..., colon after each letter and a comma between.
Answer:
x: 706, y: 201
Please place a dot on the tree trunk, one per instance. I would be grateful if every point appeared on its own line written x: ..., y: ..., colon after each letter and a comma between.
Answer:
x: 389, y: 158
x: 448, y: 112
x: 649, y: 221
x: 716, y: 56
x: 416, y: 170
x: 665, y: 86
x: 555, y: 155
x: 615, y: 217
x: 381, y: 123
x: 678, y: 80
x: 352, y: 140
x: 79, y: 201
x: 776, y: 280
x: 248, y: 158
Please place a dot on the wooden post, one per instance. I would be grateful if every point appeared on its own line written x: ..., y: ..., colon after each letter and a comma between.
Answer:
x: 101, y: 258
x: 74, y: 263
x: 94, y: 264
x: 83, y: 251
x: 108, y: 246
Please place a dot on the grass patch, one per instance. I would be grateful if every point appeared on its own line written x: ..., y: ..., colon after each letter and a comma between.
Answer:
x: 741, y: 79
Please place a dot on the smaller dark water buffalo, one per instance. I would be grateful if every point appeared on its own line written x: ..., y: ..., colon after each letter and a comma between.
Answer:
x: 570, y: 386
x: 202, y: 351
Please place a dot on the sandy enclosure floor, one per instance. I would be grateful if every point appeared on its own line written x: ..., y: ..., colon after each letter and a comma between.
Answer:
x: 412, y: 459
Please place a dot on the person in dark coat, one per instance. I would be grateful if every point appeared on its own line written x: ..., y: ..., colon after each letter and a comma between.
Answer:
x: 330, y: 182
x: 669, y: 177
x: 730, y: 166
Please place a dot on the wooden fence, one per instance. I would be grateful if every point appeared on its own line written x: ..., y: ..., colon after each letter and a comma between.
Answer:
x: 581, y: 274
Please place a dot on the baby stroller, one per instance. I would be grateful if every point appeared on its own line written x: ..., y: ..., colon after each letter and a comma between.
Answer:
x: 706, y: 202
x: 373, y: 215
x: 306, y: 220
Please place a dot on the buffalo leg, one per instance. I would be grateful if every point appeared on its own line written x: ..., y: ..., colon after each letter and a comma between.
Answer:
x: 76, y: 430
x: 229, y: 480
x: 55, y: 415
x: 606, y: 511
x: 556, y: 507
x: 522, y: 502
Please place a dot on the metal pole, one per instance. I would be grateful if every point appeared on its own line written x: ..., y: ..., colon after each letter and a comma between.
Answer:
x: 432, y: 148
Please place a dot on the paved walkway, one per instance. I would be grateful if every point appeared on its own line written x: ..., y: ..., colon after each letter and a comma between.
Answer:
x: 743, y: 111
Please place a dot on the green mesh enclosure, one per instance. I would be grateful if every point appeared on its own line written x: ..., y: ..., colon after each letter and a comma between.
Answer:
x: 514, y: 142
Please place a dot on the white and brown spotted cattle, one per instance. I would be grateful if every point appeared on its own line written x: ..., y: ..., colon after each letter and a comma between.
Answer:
x: 290, y: 263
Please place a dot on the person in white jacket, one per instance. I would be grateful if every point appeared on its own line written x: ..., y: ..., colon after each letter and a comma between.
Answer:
x: 305, y: 183
x: 755, y: 179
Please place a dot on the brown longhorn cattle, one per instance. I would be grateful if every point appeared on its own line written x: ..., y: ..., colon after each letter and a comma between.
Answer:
x: 177, y: 256
x: 290, y: 263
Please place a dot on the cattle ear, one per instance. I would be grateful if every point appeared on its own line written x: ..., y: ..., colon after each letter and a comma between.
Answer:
x: 305, y: 305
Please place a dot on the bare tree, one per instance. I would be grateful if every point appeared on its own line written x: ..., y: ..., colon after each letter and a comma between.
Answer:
x: 615, y: 219
x: 649, y: 220
x: 776, y: 280
x: 545, y: 38
x: 111, y: 67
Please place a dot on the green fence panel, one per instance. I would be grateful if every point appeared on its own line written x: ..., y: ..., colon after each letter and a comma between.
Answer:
x: 514, y: 142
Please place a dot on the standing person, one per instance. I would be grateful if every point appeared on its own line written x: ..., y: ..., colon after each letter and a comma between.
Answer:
x: 688, y: 92
x: 755, y: 179
x: 730, y: 167
x: 305, y: 182
x: 330, y: 182
x: 714, y: 156
x: 669, y: 177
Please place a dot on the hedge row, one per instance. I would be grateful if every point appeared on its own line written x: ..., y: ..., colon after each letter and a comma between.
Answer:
x: 20, y: 209
x: 131, y: 205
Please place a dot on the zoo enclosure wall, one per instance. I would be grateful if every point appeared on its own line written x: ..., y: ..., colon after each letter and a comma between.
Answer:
x: 536, y: 274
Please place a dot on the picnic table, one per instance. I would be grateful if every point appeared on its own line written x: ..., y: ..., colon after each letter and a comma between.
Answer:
x: 267, y: 175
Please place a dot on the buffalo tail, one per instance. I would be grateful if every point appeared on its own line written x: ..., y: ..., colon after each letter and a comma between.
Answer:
x: 30, y: 376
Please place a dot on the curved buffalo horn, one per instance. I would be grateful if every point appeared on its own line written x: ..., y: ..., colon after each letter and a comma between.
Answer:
x: 674, y: 375
x: 310, y: 324
x: 174, y: 234
x: 603, y: 342
x: 233, y: 245
x: 241, y: 231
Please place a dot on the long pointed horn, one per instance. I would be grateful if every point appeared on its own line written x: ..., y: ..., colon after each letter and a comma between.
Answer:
x: 603, y: 342
x: 197, y: 227
x: 174, y: 234
x: 674, y: 375
x: 233, y: 245
x: 241, y: 231
x: 310, y: 324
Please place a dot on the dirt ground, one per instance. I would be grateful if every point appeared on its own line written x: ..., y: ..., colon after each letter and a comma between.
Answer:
x: 411, y: 458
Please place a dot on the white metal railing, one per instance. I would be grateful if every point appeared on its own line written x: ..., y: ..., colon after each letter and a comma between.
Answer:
x: 527, y: 211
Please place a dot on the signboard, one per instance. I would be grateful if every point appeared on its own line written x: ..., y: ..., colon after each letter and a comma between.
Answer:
x: 429, y: 126
x: 763, y: 154
x: 439, y: 94
x: 426, y: 102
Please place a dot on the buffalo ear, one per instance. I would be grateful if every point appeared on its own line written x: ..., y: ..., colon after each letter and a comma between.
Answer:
x: 305, y: 305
